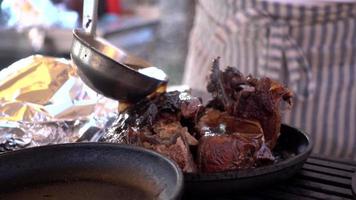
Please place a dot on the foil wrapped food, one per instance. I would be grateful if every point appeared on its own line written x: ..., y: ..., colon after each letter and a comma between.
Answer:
x: 43, y: 101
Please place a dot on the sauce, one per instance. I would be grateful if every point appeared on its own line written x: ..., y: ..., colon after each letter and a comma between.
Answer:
x: 86, y: 190
x: 124, y: 105
x: 152, y: 72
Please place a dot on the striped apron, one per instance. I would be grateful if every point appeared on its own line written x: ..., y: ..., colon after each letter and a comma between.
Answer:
x: 311, y: 49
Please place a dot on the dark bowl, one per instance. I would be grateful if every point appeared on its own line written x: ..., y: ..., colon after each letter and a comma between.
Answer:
x: 292, y: 149
x: 88, y: 171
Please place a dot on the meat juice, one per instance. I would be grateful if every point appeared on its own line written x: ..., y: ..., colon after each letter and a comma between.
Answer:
x: 123, y: 105
x: 78, y: 190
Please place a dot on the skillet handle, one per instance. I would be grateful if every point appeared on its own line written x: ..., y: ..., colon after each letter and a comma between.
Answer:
x: 90, y: 16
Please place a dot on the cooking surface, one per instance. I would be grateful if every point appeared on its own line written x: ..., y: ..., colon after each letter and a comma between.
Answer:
x: 320, y: 178
x: 88, y: 190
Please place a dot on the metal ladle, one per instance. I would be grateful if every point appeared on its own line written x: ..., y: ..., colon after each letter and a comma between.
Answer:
x: 107, y: 69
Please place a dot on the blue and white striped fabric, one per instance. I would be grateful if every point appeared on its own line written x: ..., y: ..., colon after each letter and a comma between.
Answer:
x: 310, y: 48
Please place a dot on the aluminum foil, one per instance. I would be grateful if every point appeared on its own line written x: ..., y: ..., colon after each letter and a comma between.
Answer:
x: 43, y: 101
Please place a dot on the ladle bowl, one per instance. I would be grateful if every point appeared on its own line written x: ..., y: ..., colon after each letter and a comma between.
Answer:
x: 110, y: 71
x: 107, y: 69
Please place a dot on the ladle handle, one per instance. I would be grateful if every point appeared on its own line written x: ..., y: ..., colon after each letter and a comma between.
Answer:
x: 90, y: 16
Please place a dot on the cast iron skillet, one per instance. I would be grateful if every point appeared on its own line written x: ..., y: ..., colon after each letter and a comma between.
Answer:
x: 88, y: 171
x: 292, y: 149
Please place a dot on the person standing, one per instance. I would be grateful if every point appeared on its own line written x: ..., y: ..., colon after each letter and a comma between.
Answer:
x: 308, y: 45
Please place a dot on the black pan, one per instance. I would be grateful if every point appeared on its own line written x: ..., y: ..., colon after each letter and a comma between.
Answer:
x: 292, y: 149
x: 88, y: 171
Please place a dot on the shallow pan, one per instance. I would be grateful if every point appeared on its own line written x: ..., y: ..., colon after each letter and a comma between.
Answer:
x: 88, y: 171
x: 292, y: 149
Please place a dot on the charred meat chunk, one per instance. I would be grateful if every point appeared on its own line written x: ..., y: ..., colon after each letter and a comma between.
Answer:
x: 249, y: 98
x: 158, y: 124
x: 228, y: 143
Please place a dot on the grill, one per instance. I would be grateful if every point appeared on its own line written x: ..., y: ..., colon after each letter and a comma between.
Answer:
x: 320, y: 178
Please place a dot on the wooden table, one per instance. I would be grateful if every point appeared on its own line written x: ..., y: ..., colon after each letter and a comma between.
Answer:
x: 320, y: 178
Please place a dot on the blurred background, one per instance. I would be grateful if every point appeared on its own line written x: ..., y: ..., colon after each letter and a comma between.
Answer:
x: 157, y: 30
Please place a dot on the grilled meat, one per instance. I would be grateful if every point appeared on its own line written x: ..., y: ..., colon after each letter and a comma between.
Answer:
x: 249, y: 98
x: 236, y: 129
x: 230, y: 143
x: 159, y: 124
